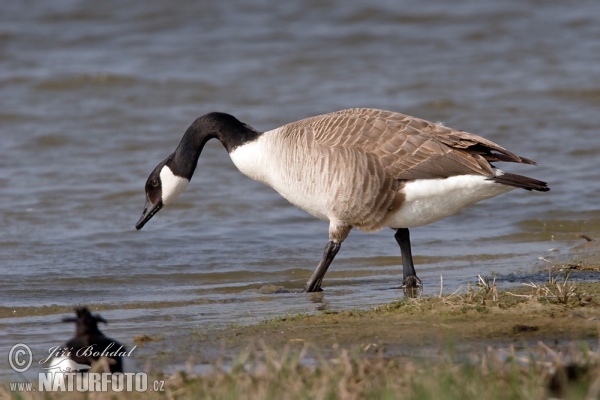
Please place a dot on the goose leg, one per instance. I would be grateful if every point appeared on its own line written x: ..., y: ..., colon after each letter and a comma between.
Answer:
x: 410, y: 278
x: 314, y: 283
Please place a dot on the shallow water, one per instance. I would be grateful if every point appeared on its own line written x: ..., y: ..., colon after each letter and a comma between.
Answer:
x: 94, y: 95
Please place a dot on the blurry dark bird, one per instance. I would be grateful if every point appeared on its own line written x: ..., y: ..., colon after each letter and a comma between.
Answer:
x: 89, y: 343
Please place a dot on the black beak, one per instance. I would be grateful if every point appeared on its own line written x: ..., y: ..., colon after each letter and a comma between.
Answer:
x: 149, y: 211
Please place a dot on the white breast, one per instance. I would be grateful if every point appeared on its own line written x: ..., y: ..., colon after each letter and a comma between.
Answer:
x: 270, y: 160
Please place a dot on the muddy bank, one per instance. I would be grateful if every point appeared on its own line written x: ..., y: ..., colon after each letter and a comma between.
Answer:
x: 553, y: 305
x: 551, y: 313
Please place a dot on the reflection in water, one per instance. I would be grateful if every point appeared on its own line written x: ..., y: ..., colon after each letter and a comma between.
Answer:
x: 319, y: 299
x: 412, y: 292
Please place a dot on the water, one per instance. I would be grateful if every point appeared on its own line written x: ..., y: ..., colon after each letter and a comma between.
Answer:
x: 95, y: 94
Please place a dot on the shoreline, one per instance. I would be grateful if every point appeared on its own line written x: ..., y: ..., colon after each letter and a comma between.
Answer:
x: 524, y: 315
x: 482, y: 332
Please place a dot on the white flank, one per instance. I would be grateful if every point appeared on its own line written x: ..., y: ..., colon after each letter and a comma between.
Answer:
x: 430, y: 200
x: 172, y: 185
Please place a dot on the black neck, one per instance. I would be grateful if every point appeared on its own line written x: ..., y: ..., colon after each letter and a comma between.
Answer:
x: 224, y: 127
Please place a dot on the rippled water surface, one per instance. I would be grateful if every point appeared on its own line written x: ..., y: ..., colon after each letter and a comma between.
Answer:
x: 95, y: 94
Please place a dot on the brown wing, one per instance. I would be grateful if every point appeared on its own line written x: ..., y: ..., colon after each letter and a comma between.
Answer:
x: 407, y: 147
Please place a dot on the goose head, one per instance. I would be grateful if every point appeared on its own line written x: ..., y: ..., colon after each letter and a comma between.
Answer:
x: 162, y: 187
x: 172, y: 175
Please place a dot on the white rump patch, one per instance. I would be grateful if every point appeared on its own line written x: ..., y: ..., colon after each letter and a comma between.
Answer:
x: 172, y: 185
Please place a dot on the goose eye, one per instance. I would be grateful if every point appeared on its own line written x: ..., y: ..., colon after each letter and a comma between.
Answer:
x: 154, y: 183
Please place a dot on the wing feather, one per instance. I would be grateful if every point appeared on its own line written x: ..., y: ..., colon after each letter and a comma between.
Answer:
x: 407, y: 147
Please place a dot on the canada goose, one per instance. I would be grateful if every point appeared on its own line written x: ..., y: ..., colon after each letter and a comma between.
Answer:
x: 89, y: 343
x: 362, y: 168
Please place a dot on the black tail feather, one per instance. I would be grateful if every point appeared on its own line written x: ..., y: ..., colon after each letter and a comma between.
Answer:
x: 521, y: 181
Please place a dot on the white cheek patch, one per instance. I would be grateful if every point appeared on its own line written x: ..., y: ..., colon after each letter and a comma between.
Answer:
x: 172, y: 185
